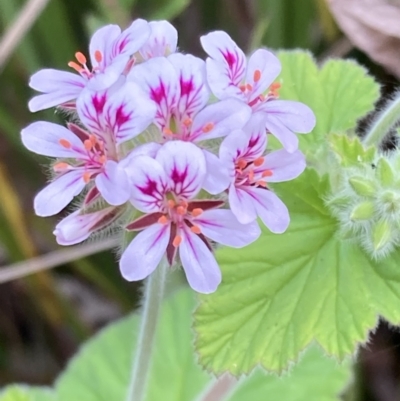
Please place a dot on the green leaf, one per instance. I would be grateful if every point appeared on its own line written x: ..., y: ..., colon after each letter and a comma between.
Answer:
x: 101, y: 371
x: 285, y: 291
x: 339, y: 93
x: 162, y: 9
x: 350, y: 150
x: 314, y: 378
x: 27, y: 393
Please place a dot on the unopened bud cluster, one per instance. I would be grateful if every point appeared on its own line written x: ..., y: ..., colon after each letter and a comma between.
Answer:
x: 367, y: 204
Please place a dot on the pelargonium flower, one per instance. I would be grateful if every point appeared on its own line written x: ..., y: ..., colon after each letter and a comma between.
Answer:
x: 231, y: 75
x: 179, y: 88
x: 112, y: 117
x: 243, y: 153
x: 165, y: 190
x: 163, y: 40
x: 79, y: 225
x: 110, y: 55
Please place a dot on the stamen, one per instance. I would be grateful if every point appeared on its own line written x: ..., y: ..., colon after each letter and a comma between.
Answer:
x: 267, y: 173
x: 197, y: 212
x: 249, y: 87
x: 241, y: 163
x: 261, y: 97
x: 98, y: 56
x: 88, y: 144
x: 261, y: 184
x: 181, y: 210
x: 163, y: 220
x: 251, y: 175
x: 75, y: 66
x: 93, y: 139
x: 184, y: 204
x: 167, y: 131
x: 195, y: 229
x: 102, y: 159
x: 258, y: 162
x: 64, y: 143
x: 60, y: 166
x: 208, y: 127
x: 171, y: 203
x: 242, y: 88
x: 257, y: 75
x: 187, y: 122
x: 275, y: 86
x: 177, y: 241
x: 86, y: 177
x: 80, y: 57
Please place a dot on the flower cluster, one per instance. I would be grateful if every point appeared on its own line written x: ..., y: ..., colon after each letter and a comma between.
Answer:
x: 168, y: 146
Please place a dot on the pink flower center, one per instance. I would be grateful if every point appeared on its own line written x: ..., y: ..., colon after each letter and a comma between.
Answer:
x: 248, y: 172
x: 93, y: 162
x: 81, y: 66
x: 182, y: 130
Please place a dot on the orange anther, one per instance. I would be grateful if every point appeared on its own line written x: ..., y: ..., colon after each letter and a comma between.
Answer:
x: 267, y: 173
x: 187, y: 122
x: 98, y: 56
x: 181, y: 210
x: 86, y: 177
x: 242, y: 88
x: 249, y: 87
x: 93, y: 139
x: 177, y: 241
x: 208, y: 127
x: 184, y: 204
x: 257, y: 75
x: 167, y: 131
x: 64, y: 143
x: 241, y: 164
x: 197, y: 212
x: 171, y: 203
x: 275, y: 86
x: 60, y: 166
x: 88, y: 144
x: 80, y: 57
x: 75, y: 66
x: 258, y: 162
x: 195, y: 229
x: 261, y: 184
x: 102, y: 159
x: 251, y: 175
x: 163, y: 220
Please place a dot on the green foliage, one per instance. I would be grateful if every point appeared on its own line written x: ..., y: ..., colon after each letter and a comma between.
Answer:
x: 284, y: 291
x: 101, y: 370
x: 350, y: 151
x: 339, y: 93
x: 27, y: 393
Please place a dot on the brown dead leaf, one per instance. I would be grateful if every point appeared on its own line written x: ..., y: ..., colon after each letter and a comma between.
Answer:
x: 373, y: 26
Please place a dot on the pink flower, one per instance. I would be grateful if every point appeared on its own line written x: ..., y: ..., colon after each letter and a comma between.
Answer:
x: 243, y: 153
x: 164, y: 189
x: 231, y: 75
x: 110, y: 55
x: 78, y: 226
x: 162, y: 41
x: 178, y: 87
x: 112, y: 118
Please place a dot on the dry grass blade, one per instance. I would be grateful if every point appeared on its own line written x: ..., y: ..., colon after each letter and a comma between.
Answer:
x: 14, y: 34
x: 53, y: 259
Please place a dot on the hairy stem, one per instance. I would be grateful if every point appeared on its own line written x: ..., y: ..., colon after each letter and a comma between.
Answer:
x: 153, y: 297
x: 384, y: 122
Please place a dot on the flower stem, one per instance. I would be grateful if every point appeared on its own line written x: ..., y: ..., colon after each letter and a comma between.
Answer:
x: 384, y: 122
x: 153, y: 297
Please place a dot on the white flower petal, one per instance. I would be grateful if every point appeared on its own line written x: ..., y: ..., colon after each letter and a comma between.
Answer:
x: 58, y: 194
x: 44, y: 138
x: 113, y: 184
x: 242, y: 205
x: 222, y: 227
x: 184, y: 164
x: 201, y: 268
x: 144, y: 253
x: 217, y: 177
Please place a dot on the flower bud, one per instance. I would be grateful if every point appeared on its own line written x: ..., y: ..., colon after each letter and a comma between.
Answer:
x: 384, y: 172
x: 381, y: 235
x: 363, y: 186
x: 363, y: 211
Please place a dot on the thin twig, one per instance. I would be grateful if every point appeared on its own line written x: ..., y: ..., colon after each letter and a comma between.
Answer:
x: 18, y: 29
x: 53, y: 259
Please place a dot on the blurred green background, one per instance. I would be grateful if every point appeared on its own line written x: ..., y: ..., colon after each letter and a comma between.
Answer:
x: 44, y: 317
